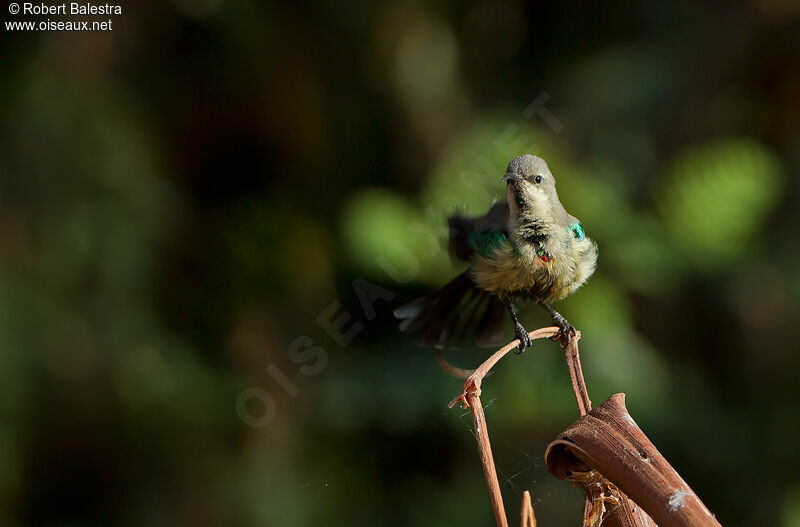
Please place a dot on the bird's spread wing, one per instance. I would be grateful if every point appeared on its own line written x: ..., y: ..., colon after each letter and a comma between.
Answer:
x: 454, y: 316
x: 460, y: 312
x: 483, y: 235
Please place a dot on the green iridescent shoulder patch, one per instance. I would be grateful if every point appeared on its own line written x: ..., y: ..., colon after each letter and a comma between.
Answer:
x: 487, y: 242
x: 577, y: 230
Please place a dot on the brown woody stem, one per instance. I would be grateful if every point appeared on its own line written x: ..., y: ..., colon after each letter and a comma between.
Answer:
x: 603, y: 503
x: 608, y: 441
x: 470, y: 396
x: 487, y: 460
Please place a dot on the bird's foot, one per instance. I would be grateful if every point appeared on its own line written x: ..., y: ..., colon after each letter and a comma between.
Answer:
x: 524, y: 338
x: 472, y: 386
x: 565, y: 330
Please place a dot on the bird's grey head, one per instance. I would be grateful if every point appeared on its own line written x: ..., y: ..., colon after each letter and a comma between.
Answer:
x: 531, y: 185
x: 527, y: 165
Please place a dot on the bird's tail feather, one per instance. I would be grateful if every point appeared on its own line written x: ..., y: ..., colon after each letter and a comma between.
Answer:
x: 453, y: 315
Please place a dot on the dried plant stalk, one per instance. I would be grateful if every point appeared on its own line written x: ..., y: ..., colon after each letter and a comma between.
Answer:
x: 487, y: 461
x: 473, y: 382
x: 449, y: 369
x: 597, y: 453
x: 528, y: 518
x: 604, y: 504
x: 608, y: 441
x: 470, y: 397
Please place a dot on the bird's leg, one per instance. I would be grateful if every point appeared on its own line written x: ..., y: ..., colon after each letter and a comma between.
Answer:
x: 519, y: 331
x: 565, y: 329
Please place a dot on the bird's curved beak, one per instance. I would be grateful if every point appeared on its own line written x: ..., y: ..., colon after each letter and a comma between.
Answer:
x: 516, y: 178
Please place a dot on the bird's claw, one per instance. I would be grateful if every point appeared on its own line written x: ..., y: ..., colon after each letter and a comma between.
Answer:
x: 524, y: 339
x: 565, y: 330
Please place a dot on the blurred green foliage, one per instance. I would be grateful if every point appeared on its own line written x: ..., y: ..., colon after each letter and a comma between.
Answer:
x: 181, y: 199
x: 715, y: 199
x: 790, y: 515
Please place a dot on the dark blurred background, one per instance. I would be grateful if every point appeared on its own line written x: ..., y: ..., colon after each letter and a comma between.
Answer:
x: 190, y: 202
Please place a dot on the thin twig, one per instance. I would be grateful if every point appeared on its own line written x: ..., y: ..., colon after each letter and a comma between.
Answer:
x: 473, y: 382
x: 594, y: 510
x: 449, y: 369
x: 487, y: 461
x: 584, y: 406
x: 470, y: 396
x: 528, y: 518
x: 576, y: 376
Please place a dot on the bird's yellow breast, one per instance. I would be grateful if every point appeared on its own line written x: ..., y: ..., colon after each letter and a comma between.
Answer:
x: 517, y: 269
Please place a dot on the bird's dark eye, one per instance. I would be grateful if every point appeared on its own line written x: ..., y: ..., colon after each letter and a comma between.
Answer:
x: 538, y: 179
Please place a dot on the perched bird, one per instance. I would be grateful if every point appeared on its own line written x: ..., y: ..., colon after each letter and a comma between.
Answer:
x: 525, y: 248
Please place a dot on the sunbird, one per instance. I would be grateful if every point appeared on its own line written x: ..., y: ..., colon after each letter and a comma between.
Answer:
x: 525, y: 248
